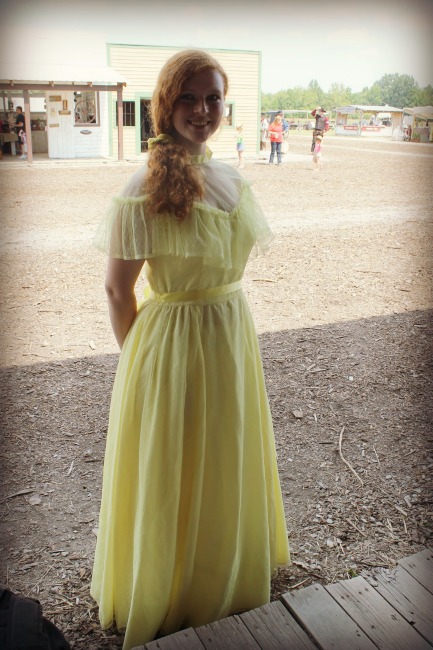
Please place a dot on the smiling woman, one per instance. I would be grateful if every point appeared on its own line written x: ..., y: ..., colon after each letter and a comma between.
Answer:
x: 191, y: 526
x: 198, y: 111
x: 189, y: 109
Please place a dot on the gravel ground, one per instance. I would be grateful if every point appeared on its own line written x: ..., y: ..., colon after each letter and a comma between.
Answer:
x: 343, y: 307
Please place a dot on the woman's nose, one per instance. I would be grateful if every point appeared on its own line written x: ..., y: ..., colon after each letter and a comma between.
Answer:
x: 201, y: 106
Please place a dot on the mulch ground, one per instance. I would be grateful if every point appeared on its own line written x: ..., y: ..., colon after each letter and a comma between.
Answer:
x: 343, y: 308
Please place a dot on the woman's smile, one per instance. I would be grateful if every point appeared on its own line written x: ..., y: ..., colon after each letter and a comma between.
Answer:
x: 198, y: 111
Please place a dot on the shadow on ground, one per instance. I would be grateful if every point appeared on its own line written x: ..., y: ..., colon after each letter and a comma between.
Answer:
x: 371, y: 378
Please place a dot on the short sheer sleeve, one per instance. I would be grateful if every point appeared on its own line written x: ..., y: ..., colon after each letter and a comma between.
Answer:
x: 219, y: 230
x: 262, y: 233
x: 125, y: 232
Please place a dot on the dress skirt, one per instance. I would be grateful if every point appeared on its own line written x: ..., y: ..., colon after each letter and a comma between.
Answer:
x: 192, y: 524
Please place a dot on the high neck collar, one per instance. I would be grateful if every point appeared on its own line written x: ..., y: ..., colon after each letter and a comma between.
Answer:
x: 201, y: 158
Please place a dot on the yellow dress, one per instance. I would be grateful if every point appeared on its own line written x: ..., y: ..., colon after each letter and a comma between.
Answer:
x: 192, y: 525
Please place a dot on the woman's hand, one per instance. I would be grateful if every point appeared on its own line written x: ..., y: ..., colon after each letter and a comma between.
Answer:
x: 120, y: 280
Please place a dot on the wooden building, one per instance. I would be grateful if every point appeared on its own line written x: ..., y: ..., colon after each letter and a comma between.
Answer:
x: 63, y: 90
x: 86, y: 98
x: 141, y: 65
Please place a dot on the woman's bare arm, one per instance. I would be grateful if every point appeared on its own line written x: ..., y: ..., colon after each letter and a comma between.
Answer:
x: 120, y: 280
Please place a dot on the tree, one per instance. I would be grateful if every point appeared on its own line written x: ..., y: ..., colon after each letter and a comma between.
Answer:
x: 398, y: 90
x: 314, y: 95
x: 424, y: 97
x: 338, y: 95
x: 370, y: 96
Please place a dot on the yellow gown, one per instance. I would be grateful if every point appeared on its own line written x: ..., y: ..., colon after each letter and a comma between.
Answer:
x: 191, y: 525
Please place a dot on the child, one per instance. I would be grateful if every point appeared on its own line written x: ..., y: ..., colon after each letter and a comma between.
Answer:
x: 317, y: 153
x: 191, y: 525
x: 240, y: 144
x: 23, y: 139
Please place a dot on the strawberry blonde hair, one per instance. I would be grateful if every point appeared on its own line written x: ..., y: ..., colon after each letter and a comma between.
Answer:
x: 173, y: 182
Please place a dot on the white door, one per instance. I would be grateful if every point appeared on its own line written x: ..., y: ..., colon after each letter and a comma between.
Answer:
x: 60, y: 124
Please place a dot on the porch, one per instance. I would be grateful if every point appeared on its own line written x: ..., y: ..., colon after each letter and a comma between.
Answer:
x: 391, y: 611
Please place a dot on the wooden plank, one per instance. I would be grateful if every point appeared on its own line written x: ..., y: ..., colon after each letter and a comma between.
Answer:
x: 409, y: 598
x: 183, y: 640
x: 227, y: 634
x: 324, y: 619
x: 420, y: 566
x: 375, y: 616
x: 275, y: 629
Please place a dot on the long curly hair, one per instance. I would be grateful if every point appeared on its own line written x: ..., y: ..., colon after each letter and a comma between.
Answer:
x: 173, y: 182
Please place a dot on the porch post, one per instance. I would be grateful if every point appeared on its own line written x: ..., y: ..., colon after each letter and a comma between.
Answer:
x: 119, y: 122
x: 28, y: 125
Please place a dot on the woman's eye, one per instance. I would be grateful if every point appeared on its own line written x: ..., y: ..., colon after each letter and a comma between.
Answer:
x: 188, y: 97
x: 214, y: 98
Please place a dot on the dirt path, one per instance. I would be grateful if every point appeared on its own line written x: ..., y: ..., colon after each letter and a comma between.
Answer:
x: 343, y: 306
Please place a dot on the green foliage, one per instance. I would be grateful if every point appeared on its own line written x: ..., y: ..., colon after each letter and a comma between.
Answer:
x: 399, y: 90
x: 338, y: 95
x: 424, y: 96
x: 370, y: 96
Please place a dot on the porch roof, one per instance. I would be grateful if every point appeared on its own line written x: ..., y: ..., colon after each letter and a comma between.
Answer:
x: 22, y: 72
x: 424, y: 112
x: 352, y: 108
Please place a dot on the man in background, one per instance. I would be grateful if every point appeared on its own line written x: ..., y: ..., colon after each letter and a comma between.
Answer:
x: 321, y: 125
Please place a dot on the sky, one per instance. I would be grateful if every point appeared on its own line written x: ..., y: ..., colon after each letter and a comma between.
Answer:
x: 333, y: 41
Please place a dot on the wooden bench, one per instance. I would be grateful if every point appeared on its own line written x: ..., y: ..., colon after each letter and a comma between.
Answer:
x: 391, y: 611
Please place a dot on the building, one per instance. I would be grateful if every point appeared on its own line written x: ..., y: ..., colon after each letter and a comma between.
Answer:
x: 86, y: 98
x: 141, y: 65
x: 63, y: 84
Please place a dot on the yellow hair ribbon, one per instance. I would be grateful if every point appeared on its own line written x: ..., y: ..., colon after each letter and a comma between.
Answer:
x: 163, y: 138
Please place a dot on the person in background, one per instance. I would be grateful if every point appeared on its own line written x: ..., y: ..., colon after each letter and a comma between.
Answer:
x: 264, y: 125
x: 240, y: 145
x: 191, y: 525
x: 20, y: 126
x: 276, y: 138
x: 284, y: 123
x: 317, y: 153
x: 321, y: 124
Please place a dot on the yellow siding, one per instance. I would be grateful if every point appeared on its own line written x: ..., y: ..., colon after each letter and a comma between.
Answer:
x: 141, y: 65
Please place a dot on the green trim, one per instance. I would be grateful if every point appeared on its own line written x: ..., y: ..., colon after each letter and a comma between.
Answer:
x: 232, y: 125
x: 259, y: 104
x: 234, y: 114
x: 185, y: 47
x: 138, y: 96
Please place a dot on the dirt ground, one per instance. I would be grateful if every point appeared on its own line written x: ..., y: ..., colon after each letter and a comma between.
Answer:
x: 343, y: 307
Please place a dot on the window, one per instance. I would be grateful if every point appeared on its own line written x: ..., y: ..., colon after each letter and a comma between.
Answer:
x: 128, y: 114
x: 86, y: 108
x: 228, y: 114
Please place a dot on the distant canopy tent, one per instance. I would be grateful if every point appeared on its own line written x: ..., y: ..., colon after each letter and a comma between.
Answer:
x: 386, y: 120
x: 420, y: 112
x: 420, y: 121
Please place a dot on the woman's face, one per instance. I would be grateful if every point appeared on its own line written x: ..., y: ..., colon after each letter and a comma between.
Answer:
x: 198, y: 111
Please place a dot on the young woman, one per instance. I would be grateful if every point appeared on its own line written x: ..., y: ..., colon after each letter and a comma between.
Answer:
x: 191, y: 524
x: 276, y: 137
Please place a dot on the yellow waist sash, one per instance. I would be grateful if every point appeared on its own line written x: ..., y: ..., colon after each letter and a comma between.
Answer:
x: 195, y: 295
